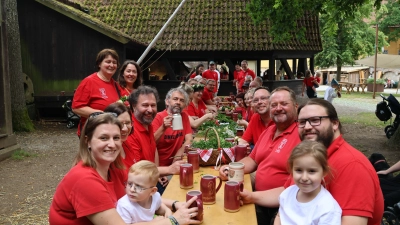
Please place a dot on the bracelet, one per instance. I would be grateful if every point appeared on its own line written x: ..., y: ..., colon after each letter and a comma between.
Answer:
x: 173, y: 206
x: 173, y: 220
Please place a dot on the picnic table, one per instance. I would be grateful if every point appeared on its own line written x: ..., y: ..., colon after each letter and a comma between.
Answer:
x: 214, y: 214
x: 349, y: 86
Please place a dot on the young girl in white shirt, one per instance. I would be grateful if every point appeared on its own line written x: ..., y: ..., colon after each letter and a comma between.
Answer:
x: 308, y: 202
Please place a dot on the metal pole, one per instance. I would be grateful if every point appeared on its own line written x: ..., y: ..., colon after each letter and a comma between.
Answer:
x: 376, y: 60
x: 159, y: 33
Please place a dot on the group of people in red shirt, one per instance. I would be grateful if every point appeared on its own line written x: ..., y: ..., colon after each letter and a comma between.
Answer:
x: 115, y: 137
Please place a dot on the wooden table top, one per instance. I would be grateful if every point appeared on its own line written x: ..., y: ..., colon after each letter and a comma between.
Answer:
x: 214, y: 214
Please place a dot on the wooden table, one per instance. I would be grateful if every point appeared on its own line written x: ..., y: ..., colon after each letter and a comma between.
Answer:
x: 214, y: 214
x: 362, y: 86
x: 349, y: 86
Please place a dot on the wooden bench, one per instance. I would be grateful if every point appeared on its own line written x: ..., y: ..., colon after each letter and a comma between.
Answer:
x: 348, y: 85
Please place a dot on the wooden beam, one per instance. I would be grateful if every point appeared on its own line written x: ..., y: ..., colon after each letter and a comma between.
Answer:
x: 258, y: 68
x: 287, y: 69
x: 231, y: 67
x: 294, y: 65
x: 170, y: 71
x: 271, y: 75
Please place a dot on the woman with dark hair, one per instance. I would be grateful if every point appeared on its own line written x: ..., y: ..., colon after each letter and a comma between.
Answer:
x: 198, y: 70
x: 130, y: 77
x: 224, y: 73
x: 98, y: 90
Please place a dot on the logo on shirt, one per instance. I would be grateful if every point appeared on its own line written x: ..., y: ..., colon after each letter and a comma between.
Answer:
x: 281, y: 145
x: 103, y: 93
x: 173, y: 137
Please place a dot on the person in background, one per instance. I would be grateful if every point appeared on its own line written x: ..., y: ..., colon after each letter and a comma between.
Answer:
x: 212, y: 73
x: 241, y: 105
x: 142, y: 201
x: 192, y: 81
x: 236, y: 73
x: 246, y: 71
x: 130, y: 77
x: 261, y: 120
x: 98, y: 90
x: 197, y: 108
x: 245, y: 87
x: 259, y: 81
x: 203, y: 81
x: 198, y: 70
x: 195, y: 121
x: 254, y: 84
x: 308, y: 85
x: 308, y: 201
x: 208, y: 94
x: 331, y: 92
x: 171, y: 143
x: 223, y: 73
x: 317, y: 80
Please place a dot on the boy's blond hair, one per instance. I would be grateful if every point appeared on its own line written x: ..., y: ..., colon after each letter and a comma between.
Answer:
x: 146, y: 168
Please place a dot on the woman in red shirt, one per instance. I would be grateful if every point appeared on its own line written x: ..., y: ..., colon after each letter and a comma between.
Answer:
x: 308, y: 84
x: 130, y: 77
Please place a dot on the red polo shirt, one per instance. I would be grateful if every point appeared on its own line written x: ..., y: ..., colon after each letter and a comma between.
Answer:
x: 140, y: 144
x: 171, y: 140
x: 242, y: 76
x: 255, y: 128
x: 355, y: 184
x: 207, y: 95
x: 199, y: 111
x: 271, y: 155
x: 211, y: 74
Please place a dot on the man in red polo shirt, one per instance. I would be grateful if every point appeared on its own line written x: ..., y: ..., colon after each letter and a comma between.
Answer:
x: 171, y: 143
x: 208, y: 93
x: 353, y: 183
x: 212, y: 73
x: 141, y: 144
x: 238, y: 70
x: 271, y: 152
x: 245, y: 72
x: 261, y: 120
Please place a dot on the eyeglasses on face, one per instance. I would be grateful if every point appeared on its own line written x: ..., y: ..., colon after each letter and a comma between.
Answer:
x: 262, y: 98
x: 95, y: 114
x: 137, y: 189
x: 314, y: 121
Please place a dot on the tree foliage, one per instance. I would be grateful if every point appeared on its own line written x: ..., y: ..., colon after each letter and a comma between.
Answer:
x: 389, y: 20
x: 282, y: 15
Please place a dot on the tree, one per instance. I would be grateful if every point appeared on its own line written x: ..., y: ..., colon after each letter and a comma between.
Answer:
x: 345, y: 40
x: 341, y: 43
x: 20, y: 118
x: 389, y: 20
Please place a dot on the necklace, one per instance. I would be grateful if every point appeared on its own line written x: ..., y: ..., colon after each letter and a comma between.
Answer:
x: 102, y: 77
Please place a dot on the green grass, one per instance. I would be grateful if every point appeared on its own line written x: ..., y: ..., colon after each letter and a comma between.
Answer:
x: 22, y: 154
x: 364, y: 118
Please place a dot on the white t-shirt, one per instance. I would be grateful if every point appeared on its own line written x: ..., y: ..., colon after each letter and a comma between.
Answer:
x: 132, y: 212
x: 323, y: 209
x: 330, y: 93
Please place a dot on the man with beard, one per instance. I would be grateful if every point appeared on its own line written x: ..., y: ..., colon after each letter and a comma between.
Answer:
x: 273, y: 149
x: 169, y: 141
x: 353, y: 182
x: 141, y: 144
x: 261, y: 120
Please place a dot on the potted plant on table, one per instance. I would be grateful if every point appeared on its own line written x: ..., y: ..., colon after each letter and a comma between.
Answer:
x: 380, y: 85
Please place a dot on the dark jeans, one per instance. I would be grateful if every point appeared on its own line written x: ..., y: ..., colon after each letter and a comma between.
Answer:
x: 311, y: 93
x: 265, y: 216
x: 391, y: 190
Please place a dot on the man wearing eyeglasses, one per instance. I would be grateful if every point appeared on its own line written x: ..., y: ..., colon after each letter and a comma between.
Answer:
x: 271, y: 152
x: 170, y: 142
x: 261, y: 120
x: 354, y: 183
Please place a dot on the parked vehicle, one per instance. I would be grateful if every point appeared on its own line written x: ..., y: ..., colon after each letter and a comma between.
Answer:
x: 384, y: 112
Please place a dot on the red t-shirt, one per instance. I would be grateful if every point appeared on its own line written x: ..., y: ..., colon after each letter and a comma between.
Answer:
x: 140, y: 144
x: 199, y: 112
x: 193, y: 75
x: 248, y: 114
x: 242, y: 76
x: 83, y: 192
x: 355, y: 184
x: 207, y: 95
x: 171, y: 140
x: 95, y: 93
x: 317, y: 79
x: 211, y: 74
x: 271, y: 155
x: 255, y: 128
x: 309, y: 81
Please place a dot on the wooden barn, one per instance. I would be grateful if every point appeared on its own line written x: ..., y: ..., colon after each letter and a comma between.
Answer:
x: 60, y: 40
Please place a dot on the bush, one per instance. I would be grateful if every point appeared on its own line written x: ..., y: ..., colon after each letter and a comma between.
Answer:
x: 378, y: 81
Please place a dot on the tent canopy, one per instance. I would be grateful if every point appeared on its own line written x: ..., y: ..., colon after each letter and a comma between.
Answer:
x: 384, y: 61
